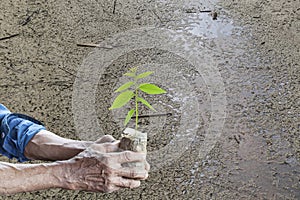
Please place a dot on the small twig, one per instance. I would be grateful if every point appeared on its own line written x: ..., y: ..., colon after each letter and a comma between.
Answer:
x: 157, y: 16
x: 66, y: 71
x: 275, y: 162
x: 205, y: 11
x: 114, y: 9
x: 93, y: 45
x: 28, y: 18
x: 87, y: 45
x: 10, y: 36
x: 153, y: 115
x: 236, y: 139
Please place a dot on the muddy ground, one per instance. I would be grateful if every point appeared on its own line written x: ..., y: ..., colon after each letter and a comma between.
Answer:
x: 256, y: 51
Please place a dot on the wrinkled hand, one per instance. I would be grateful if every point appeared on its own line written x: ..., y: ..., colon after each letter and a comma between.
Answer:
x: 105, y: 139
x: 99, y: 168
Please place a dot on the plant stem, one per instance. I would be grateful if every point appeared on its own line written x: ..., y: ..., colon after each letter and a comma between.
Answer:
x: 136, y: 110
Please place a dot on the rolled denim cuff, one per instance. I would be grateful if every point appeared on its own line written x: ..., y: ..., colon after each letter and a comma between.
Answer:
x: 16, y: 131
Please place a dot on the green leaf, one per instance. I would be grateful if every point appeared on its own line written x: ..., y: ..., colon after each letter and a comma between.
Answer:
x: 133, y: 69
x: 151, y: 88
x: 129, y: 74
x: 146, y: 103
x: 143, y: 75
x: 122, y: 99
x: 124, y: 86
x: 128, y: 117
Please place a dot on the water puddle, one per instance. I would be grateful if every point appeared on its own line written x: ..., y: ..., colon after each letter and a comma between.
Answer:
x: 202, y: 25
x: 270, y: 173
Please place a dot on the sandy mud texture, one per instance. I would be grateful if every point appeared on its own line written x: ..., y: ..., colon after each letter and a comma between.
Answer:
x: 255, y: 46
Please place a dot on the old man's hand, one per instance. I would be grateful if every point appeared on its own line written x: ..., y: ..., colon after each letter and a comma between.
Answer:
x: 100, y: 168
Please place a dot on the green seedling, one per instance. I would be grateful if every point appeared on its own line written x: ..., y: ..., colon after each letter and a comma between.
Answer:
x: 130, y: 91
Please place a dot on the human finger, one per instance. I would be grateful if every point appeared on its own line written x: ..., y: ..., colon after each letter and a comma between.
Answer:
x: 130, y: 156
x: 133, y: 173
x: 105, y: 138
x: 110, y: 188
x: 147, y: 166
x: 126, y: 183
x: 112, y: 147
x: 106, y: 147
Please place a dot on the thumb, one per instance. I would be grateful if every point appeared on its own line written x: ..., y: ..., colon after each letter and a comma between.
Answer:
x: 105, y: 138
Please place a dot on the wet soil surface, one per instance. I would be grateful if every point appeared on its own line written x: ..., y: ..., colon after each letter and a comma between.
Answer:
x: 252, y: 48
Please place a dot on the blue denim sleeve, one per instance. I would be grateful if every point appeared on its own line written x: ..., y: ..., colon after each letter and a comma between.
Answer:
x: 16, y: 131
